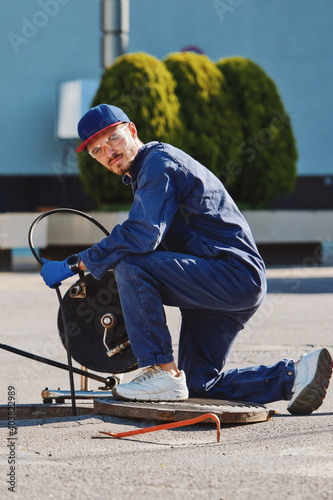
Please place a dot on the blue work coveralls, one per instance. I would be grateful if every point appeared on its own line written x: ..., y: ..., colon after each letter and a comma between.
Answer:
x: 186, y: 244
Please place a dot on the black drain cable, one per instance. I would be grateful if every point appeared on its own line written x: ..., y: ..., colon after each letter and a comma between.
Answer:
x: 56, y: 287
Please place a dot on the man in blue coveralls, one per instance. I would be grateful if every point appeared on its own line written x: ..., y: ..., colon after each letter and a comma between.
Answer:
x: 184, y: 244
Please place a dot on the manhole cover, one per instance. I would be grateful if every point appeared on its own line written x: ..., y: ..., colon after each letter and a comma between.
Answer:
x: 229, y: 412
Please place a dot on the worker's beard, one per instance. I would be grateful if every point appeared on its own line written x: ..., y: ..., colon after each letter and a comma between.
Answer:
x: 120, y: 163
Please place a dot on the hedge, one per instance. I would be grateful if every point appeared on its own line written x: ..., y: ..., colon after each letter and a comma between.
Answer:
x: 227, y: 115
x: 212, y: 131
x: 266, y: 165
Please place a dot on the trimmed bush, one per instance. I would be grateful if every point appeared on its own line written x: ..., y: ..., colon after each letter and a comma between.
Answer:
x: 141, y: 85
x: 265, y: 166
x: 212, y: 131
x: 229, y: 116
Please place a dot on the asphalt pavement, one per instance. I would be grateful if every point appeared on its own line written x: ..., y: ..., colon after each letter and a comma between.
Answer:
x: 66, y: 458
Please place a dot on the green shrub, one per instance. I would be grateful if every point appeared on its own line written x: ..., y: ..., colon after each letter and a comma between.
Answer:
x: 229, y: 116
x: 212, y: 131
x: 266, y: 164
x: 141, y: 85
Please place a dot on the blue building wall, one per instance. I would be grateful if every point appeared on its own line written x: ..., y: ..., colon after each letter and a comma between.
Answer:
x: 292, y: 40
x: 44, y: 42
x: 38, y: 50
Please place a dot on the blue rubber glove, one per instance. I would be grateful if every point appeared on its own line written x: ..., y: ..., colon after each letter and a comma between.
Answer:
x: 54, y: 271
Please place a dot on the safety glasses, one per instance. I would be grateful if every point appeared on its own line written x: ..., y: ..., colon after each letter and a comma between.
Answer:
x: 111, y: 140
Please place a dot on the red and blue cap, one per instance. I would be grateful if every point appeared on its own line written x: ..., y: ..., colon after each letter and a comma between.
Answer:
x: 98, y: 119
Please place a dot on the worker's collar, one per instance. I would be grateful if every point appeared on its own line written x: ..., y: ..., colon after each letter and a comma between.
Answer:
x: 135, y: 167
x: 127, y: 179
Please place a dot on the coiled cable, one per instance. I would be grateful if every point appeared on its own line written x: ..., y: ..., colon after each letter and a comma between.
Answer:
x: 56, y: 287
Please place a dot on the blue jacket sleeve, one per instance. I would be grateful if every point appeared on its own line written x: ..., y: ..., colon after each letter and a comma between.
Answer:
x: 160, y: 186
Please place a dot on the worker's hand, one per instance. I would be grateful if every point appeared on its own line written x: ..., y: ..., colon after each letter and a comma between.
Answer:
x: 54, y: 271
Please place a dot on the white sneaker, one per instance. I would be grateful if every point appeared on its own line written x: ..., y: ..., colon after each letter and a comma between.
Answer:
x: 153, y: 384
x: 312, y: 377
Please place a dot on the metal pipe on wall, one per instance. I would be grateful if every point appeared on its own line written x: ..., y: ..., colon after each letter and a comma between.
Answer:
x: 115, y: 27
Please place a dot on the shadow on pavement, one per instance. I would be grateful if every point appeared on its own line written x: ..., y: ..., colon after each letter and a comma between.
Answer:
x: 300, y: 285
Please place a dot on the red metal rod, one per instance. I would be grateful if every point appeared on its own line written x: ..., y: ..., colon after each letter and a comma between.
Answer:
x: 170, y: 425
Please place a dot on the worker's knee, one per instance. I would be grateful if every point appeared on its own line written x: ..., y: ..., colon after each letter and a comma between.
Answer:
x: 127, y: 267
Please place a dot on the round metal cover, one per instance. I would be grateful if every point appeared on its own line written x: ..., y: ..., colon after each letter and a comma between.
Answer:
x: 83, y: 317
x: 229, y: 412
